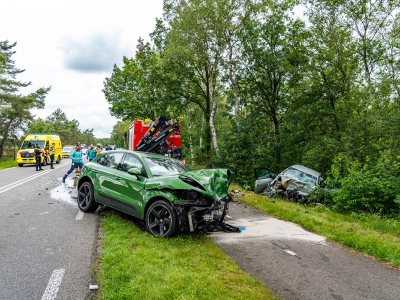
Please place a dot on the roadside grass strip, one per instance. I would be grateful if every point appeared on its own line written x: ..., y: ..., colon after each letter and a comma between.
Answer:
x: 136, y: 265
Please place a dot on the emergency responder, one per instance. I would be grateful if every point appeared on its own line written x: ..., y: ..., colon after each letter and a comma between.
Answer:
x: 45, y: 153
x: 51, y: 153
x: 77, y: 161
x: 38, y: 153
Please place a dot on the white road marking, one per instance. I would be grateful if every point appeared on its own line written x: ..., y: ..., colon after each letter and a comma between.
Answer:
x: 290, y: 252
x: 29, y: 178
x: 80, y: 215
x: 54, y: 283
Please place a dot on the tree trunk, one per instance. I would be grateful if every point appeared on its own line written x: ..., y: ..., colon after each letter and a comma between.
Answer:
x: 233, y: 82
x: 4, y: 139
x: 214, y: 108
x: 190, y: 138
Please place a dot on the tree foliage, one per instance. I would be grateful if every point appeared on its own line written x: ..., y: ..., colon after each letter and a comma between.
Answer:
x: 15, y: 107
x: 260, y: 87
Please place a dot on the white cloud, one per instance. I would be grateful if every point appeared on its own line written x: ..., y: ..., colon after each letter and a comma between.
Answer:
x: 72, y: 47
x: 91, y: 54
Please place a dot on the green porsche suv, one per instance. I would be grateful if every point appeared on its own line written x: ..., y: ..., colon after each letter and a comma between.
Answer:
x: 160, y: 191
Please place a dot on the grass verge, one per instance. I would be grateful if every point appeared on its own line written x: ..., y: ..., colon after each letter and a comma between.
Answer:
x: 136, y: 265
x: 7, y: 163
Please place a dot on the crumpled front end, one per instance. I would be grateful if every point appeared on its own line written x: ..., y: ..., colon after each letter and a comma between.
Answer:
x: 205, y: 207
x: 291, y: 188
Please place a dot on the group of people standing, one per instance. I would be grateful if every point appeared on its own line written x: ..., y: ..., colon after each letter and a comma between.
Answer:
x: 47, y: 151
x: 77, y: 157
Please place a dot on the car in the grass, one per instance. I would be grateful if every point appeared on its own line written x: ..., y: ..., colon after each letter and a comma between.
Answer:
x: 160, y: 191
x: 66, y: 151
x: 295, y: 183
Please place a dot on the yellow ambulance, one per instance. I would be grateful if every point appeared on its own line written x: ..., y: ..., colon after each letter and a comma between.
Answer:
x: 26, y: 154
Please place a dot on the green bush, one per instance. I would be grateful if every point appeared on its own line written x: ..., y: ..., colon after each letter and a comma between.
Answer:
x: 365, y: 187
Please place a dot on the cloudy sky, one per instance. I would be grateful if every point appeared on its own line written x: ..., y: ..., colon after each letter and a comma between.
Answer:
x: 72, y: 46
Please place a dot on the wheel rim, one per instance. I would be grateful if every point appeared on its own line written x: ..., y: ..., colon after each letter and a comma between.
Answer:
x: 160, y: 220
x: 84, y: 196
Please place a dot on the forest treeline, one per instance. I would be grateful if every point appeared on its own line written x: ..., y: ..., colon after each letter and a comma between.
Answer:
x: 276, y: 83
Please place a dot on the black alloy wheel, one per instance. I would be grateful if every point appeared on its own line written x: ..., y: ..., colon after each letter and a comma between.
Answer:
x: 161, y: 219
x: 86, y: 201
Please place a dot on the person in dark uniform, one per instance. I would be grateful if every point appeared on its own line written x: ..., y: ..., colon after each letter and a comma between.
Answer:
x: 51, y: 153
x: 38, y: 153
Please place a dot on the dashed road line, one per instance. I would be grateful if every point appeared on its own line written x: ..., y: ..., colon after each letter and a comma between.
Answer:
x: 54, y: 283
x: 80, y: 215
x: 290, y: 252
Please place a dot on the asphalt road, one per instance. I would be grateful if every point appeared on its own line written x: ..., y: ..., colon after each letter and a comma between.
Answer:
x: 297, y: 264
x: 46, y: 243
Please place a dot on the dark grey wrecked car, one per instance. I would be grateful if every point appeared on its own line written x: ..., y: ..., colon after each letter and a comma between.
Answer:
x: 293, y: 183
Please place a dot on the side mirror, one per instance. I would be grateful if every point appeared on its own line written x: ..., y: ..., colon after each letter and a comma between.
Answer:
x: 322, y: 183
x: 136, y: 172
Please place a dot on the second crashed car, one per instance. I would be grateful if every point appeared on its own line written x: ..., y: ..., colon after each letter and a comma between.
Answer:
x: 161, y: 191
x: 293, y: 183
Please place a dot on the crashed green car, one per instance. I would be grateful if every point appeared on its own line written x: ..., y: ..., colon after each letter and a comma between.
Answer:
x: 160, y: 191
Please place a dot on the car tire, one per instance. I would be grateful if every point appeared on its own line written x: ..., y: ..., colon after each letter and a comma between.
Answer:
x: 58, y: 159
x: 86, y: 202
x: 44, y: 161
x: 161, y: 219
x: 20, y: 165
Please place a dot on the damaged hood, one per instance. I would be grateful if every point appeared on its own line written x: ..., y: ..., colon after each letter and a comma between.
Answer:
x: 215, y: 181
x: 211, y: 182
x: 291, y: 183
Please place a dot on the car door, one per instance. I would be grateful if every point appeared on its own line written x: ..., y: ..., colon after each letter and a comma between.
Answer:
x: 263, y: 178
x: 132, y: 187
x: 106, y: 177
x: 117, y: 188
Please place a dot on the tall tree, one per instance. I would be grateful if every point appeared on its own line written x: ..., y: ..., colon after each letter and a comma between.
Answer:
x: 15, y: 108
x: 201, y: 38
x: 274, y: 56
x: 133, y: 91
x: 68, y: 130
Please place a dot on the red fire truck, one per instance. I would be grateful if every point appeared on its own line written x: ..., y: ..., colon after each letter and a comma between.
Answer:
x: 162, y: 136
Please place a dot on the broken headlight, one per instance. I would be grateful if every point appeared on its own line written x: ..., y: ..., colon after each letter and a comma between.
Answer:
x: 192, y: 182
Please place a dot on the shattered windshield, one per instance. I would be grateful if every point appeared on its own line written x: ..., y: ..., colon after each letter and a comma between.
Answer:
x: 301, y: 176
x: 160, y: 166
